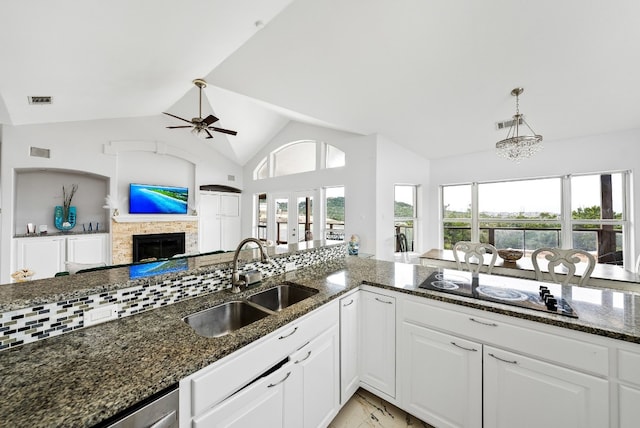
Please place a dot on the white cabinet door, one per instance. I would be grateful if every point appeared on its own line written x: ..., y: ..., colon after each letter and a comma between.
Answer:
x: 44, y: 256
x: 629, y: 405
x: 349, y: 345
x: 524, y: 392
x: 219, y: 221
x: 378, y: 342
x: 318, y: 363
x: 209, y: 223
x: 261, y: 404
x: 440, y: 377
x: 87, y: 249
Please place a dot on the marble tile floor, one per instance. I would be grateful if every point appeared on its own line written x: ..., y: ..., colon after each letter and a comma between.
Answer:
x: 365, y: 410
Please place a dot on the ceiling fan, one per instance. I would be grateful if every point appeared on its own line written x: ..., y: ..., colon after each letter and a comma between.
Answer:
x: 201, y: 127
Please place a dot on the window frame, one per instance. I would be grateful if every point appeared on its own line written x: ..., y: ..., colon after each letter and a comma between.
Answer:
x: 565, y: 220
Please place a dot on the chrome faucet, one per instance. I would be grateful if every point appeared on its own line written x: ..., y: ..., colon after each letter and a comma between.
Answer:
x: 237, y: 284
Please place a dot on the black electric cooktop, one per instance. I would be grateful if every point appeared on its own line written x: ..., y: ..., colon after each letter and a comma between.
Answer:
x: 465, y: 284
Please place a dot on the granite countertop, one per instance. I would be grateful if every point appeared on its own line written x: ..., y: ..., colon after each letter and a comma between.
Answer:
x: 81, y: 378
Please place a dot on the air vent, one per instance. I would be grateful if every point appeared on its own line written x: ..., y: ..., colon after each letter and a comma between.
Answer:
x: 40, y: 100
x: 37, y: 152
x: 508, y: 123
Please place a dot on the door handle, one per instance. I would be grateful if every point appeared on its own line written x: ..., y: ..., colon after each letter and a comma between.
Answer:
x: 307, y: 356
x: 503, y: 360
x: 271, y: 385
x: 462, y: 347
x: 348, y: 304
x: 490, y: 324
x: 284, y: 336
x: 384, y: 301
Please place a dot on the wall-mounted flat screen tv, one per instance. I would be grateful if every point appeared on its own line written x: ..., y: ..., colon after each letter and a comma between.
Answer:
x: 151, y: 199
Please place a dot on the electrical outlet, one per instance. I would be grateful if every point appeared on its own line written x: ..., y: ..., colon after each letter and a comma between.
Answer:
x: 100, y: 315
x: 288, y: 267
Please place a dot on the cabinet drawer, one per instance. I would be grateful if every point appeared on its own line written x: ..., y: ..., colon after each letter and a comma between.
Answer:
x: 629, y: 366
x: 216, y: 382
x: 492, y: 330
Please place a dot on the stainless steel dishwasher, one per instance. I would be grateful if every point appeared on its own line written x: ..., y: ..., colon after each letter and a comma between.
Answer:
x: 159, y: 411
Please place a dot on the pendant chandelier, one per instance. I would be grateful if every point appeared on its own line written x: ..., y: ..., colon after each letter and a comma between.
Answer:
x: 517, y: 147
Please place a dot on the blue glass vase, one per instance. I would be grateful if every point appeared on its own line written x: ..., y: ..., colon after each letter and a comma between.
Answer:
x: 62, y: 223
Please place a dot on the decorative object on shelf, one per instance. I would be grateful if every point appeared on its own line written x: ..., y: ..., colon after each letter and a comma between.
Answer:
x: 31, y: 229
x: 65, y: 215
x: 509, y: 255
x: 517, y: 147
x: 22, y: 275
x: 354, y: 245
x: 111, y: 204
x: 42, y: 229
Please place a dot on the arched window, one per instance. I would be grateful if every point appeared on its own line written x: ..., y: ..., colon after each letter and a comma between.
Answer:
x: 298, y: 157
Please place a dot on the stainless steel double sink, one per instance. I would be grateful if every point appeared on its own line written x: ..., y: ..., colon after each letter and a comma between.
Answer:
x: 230, y: 316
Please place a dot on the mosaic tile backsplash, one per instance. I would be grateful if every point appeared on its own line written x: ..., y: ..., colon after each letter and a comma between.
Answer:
x: 39, y: 322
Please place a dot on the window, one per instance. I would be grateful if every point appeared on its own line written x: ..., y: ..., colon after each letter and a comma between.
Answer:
x: 334, y: 213
x: 262, y: 217
x: 295, y: 158
x: 456, y: 214
x: 529, y: 214
x: 405, y: 216
x: 298, y: 157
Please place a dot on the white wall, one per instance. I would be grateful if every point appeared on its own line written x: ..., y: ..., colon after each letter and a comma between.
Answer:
x: 374, y: 165
x: 358, y: 178
x: 397, y: 165
x: 614, y: 151
x: 107, y: 148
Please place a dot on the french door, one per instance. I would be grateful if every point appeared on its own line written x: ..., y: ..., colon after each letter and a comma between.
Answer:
x: 292, y: 217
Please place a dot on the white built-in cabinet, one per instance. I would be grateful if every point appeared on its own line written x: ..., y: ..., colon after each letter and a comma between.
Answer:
x: 46, y: 255
x: 378, y: 343
x: 289, y: 378
x: 349, y: 345
x: 456, y: 367
x: 431, y: 358
x: 467, y: 368
x: 219, y: 221
x: 561, y: 396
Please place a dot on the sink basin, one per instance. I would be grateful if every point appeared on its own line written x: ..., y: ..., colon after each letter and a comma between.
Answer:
x: 281, y: 296
x: 225, y: 318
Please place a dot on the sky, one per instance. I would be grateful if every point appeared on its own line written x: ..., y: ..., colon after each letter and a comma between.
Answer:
x: 542, y: 195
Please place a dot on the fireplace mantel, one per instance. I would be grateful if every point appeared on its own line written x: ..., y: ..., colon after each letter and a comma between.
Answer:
x: 141, y: 218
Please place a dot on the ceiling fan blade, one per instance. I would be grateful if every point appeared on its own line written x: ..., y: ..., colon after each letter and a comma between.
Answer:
x: 182, y: 126
x: 210, y: 119
x: 173, y: 115
x: 208, y: 133
x: 224, y: 131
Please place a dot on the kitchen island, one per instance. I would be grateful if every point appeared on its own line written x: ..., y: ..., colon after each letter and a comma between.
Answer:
x: 86, y: 376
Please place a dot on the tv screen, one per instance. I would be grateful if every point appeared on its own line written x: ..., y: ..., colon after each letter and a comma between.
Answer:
x: 150, y: 199
x: 158, y: 268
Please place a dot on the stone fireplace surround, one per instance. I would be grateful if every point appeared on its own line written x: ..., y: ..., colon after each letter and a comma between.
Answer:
x: 122, y: 236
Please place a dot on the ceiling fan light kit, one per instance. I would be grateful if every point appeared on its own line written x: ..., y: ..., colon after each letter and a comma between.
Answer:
x: 200, y: 127
x: 517, y: 147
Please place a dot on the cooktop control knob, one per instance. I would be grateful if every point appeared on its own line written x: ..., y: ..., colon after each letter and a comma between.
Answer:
x: 544, y: 291
x: 551, y: 302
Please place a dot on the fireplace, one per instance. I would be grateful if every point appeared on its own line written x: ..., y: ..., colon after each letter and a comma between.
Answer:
x: 158, y: 245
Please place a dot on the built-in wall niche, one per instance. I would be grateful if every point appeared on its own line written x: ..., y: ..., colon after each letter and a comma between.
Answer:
x: 37, y: 192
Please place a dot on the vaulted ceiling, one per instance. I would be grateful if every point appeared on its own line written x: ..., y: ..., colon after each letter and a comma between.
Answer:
x: 432, y: 75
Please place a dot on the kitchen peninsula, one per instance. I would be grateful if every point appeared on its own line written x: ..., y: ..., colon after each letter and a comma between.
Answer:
x: 86, y: 376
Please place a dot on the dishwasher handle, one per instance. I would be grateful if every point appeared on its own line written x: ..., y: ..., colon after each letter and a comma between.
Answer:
x: 166, y: 421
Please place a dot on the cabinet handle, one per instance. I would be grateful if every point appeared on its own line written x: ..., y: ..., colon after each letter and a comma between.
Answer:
x: 503, y: 360
x: 347, y: 304
x: 271, y: 385
x: 384, y: 301
x: 490, y: 324
x: 462, y: 347
x: 308, y: 355
x: 287, y: 335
